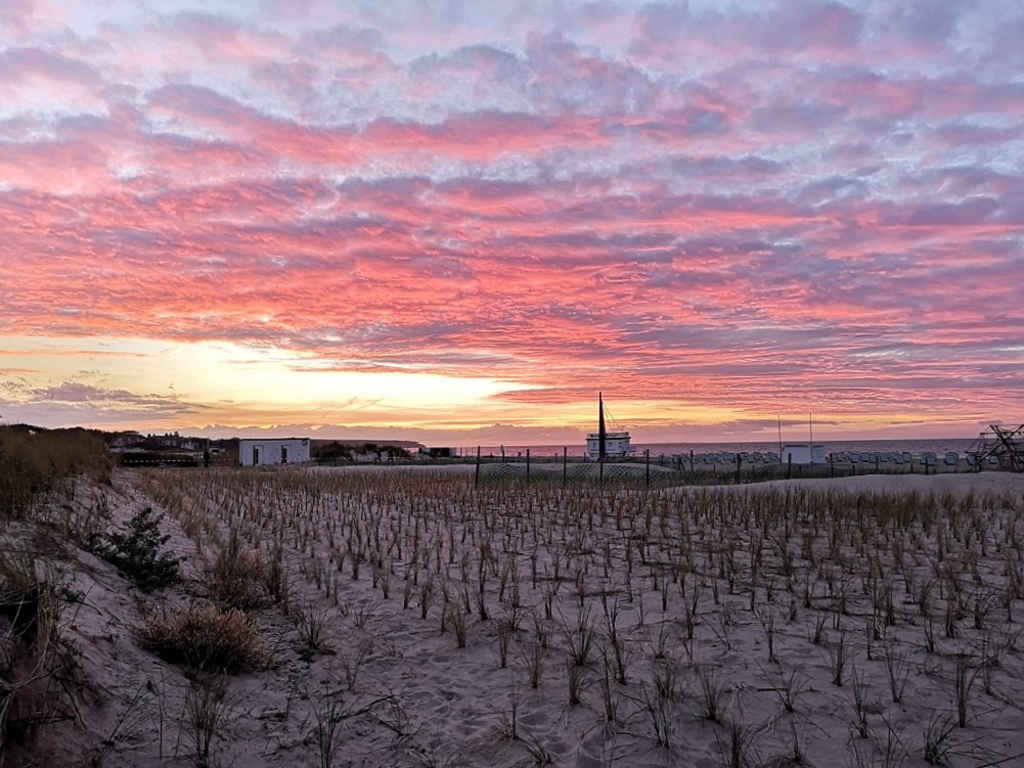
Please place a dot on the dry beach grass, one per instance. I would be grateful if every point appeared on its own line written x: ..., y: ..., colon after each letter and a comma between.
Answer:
x: 407, y: 618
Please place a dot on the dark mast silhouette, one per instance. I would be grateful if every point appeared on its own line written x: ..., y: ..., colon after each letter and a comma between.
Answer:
x: 603, y: 445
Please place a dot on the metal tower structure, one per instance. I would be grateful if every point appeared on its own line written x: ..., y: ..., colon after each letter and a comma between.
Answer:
x: 1005, y: 443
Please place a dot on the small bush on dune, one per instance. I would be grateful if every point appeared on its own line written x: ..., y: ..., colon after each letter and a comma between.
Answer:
x: 205, y: 638
x: 135, y: 550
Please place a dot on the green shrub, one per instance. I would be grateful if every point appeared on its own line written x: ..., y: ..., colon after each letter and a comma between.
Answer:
x: 135, y: 550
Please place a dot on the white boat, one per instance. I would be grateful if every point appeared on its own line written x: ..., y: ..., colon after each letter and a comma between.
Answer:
x: 604, y: 444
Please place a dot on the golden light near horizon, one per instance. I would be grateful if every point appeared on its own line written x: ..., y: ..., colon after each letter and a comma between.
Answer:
x: 237, y: 384
x: 223, y: 386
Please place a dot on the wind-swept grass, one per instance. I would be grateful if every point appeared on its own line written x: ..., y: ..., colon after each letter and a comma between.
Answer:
x: 34, y: 461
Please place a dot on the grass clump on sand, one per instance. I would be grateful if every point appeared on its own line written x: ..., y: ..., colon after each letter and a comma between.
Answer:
x: 205, y: 638
x: 35, y: 662
x: 242, y: 578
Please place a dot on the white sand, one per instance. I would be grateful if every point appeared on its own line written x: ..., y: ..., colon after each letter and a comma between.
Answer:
x: 452, y: 706
x: 959, y: 484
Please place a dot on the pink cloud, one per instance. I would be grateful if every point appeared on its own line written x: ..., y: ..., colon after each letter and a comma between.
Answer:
x: 717, y: 206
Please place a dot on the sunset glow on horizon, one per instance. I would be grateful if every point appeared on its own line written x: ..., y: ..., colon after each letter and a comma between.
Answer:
x: 457, y: 222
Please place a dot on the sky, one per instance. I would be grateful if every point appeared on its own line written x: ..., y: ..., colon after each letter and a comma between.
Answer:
x: 458, y: 221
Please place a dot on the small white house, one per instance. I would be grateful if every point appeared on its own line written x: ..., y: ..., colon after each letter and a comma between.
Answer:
x: 803, y: 453
x: 259, y: 451
x: 616, y: 445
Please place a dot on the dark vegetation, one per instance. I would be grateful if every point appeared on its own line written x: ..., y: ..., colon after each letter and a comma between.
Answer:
x: 135, y: 550
x: 54, y: 491
x: 34, y: 461
x: 341, y: 452
x: 37, y: 664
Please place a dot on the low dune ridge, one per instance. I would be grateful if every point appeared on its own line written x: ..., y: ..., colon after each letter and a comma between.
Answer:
x: 954, y: 483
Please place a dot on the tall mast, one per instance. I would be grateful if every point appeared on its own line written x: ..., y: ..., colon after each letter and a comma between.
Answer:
x: 780, y: 438
x: 810, y: 433
x: 602, y: 434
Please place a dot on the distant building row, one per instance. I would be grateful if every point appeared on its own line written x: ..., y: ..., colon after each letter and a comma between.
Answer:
x: 254, y: 452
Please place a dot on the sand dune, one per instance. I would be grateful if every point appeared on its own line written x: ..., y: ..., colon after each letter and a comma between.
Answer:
x: 679, y: 627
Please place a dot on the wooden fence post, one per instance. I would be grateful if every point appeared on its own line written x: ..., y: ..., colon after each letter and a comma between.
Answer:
x: 476, y: 476
x: 565, y: 453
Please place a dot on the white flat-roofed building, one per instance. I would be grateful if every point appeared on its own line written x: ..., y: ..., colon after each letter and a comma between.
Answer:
x: 803, y: 453
x: 254, y: 452
x: 616, y: 445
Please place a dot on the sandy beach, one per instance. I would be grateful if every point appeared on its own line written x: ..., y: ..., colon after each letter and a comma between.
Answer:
x: 848, y: 622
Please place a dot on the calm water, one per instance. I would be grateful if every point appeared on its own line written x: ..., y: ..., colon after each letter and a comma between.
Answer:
x: 960, y: 445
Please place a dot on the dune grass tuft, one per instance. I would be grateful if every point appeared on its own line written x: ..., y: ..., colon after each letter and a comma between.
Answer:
x: 201, y: 636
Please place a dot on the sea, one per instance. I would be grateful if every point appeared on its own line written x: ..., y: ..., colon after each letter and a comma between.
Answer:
x: 915, y: 446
